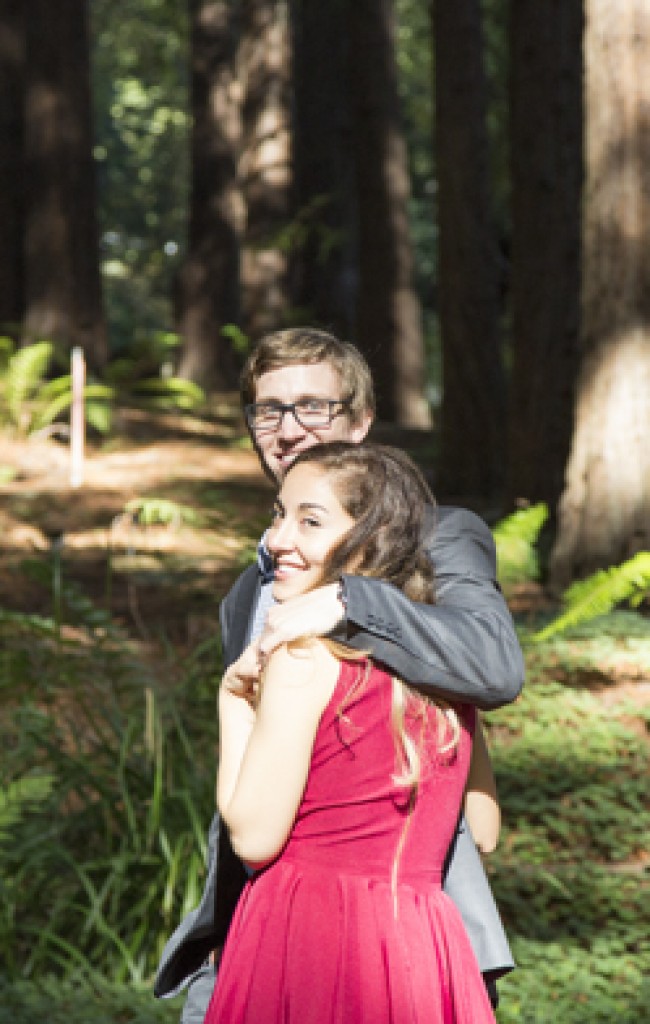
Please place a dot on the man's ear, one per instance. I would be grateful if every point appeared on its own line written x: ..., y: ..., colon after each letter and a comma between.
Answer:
x: 359, y: 430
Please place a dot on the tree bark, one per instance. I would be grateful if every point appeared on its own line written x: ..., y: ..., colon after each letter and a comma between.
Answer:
x: 62, y: 281
x: 265, y: 68
x: 210, y: 278
x: 389, y: 322
x: 546, y: 162
x: 604, y: 512
x: 12, y: 56
x: 474, y: 405
x: 323, y: 256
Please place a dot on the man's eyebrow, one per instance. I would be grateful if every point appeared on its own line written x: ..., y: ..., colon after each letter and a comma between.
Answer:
x: 299, y: 398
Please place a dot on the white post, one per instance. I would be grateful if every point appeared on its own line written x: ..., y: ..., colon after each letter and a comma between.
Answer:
x: 77, y: 418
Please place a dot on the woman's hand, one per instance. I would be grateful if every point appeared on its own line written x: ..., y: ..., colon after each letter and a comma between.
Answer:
x: 242, y: 678
x: 237, y: 703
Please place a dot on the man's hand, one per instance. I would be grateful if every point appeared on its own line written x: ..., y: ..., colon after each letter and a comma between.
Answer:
x: 314, y: 614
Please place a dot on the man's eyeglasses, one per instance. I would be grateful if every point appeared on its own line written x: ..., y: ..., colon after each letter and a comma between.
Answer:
x: 310, y: 413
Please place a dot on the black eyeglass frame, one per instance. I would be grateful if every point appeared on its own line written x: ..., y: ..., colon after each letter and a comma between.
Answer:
x: 281, y: 408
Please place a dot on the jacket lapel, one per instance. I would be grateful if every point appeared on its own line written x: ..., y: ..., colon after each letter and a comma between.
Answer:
x: 244, y: 601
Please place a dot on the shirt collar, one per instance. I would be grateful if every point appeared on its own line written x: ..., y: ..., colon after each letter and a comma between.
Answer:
x: 265, y: 561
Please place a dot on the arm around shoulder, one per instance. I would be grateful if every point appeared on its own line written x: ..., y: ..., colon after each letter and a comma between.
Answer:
x: 465, y: 646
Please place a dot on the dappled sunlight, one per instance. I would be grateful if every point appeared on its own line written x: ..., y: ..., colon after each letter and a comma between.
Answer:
x: 141, y: 571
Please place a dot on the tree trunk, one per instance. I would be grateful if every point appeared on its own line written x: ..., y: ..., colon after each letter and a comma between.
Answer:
x: 604, y: 512
x: 209, y: 280
x: 323, y: 257
x: 546, y: 157
x: 12, y: 55
x: 473, y: 410
x: 62, y: 282
x: 389, y: 323
x: 265, y: 65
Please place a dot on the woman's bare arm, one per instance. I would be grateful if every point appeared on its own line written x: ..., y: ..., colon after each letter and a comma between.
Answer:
x: 263, y: 785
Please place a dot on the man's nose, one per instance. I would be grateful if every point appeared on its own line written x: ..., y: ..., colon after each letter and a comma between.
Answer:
x: 289, y: 427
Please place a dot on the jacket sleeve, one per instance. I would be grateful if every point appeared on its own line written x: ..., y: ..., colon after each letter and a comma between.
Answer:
x: 464, y: 647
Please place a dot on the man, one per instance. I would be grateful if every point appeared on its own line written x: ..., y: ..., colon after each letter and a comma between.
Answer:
x: 303, y: 387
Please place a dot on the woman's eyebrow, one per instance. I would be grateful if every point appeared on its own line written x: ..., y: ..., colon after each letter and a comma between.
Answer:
x: 304, y: 506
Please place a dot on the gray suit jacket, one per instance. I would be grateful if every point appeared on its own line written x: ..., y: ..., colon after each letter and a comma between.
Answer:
x: 464, y: 647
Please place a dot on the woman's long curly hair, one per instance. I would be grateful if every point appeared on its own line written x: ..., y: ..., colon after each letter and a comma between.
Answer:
x: 385, y: 494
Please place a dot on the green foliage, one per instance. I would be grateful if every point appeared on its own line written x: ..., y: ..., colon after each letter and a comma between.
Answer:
x: 29, y: 402
x: 569, y: 875
x: 599, y: 593
x: 22, y: 383
x: 161, y: 512
x: 122, y: 829
x: 18, y: 797
x: 515, y: 539
x: 239, y: 341
x: 92, y: 998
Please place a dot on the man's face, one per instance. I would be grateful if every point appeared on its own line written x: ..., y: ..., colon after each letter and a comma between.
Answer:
x: 278, y: 447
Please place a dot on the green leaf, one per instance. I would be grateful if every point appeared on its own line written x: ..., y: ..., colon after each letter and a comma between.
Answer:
x: 599, y: 593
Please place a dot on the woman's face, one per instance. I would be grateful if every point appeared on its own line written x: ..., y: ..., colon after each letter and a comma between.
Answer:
x: 308, y: 522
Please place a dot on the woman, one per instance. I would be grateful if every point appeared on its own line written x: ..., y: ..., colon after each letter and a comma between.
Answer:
x: 341, y: 786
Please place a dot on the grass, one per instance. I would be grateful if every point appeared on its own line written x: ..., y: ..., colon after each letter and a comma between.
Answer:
x: 571, y: 875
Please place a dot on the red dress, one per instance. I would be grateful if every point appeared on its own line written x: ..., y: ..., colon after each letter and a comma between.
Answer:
x: 349, y: 925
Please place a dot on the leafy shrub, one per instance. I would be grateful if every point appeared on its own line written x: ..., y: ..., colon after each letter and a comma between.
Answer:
x: 101, y: 869
x: 30, y: 402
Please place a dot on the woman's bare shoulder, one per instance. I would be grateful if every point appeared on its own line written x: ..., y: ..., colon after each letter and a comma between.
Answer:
x: 300, y: 662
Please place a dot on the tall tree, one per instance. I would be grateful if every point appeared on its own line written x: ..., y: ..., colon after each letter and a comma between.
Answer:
x: 62, y: 282
x: 604, y: 512
x: 323, y: 256
x: 473, y: 410
x: 546, y: 160
x: 12, y: 54
x: 209, y: 280
x: 389, y: 323
x: 265, y: 167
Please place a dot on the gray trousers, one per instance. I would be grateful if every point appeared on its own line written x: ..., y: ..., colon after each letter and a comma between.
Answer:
x: 199, y: 992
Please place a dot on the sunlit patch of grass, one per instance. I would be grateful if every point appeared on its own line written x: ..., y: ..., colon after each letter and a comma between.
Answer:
x: 571, y: 873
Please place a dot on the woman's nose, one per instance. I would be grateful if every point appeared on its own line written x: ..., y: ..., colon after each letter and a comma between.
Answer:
x: 279, y: 536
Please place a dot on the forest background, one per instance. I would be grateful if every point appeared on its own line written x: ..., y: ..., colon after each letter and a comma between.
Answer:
x: 463, y: 190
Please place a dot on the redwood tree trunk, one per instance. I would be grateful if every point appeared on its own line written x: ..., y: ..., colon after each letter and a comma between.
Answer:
x: 546, y: 157
x: 62, y: 282
x: 12, y: 55
x: 209, y: 280
x: 604, y: 513
x: 389, y: 324
x: 323, y: 258
x: 473, y: 408
x: 264, y: 71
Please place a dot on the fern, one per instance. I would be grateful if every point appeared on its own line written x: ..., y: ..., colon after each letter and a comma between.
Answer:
x: 24, y: 375
x: 161, y: 512
x: 515, y: 539
x: 599, y: 593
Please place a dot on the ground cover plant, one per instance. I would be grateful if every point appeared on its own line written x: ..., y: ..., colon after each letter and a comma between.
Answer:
x: 109, y: 663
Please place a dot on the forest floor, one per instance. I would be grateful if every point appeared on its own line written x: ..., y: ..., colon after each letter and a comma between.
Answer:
x: 572, y: 871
